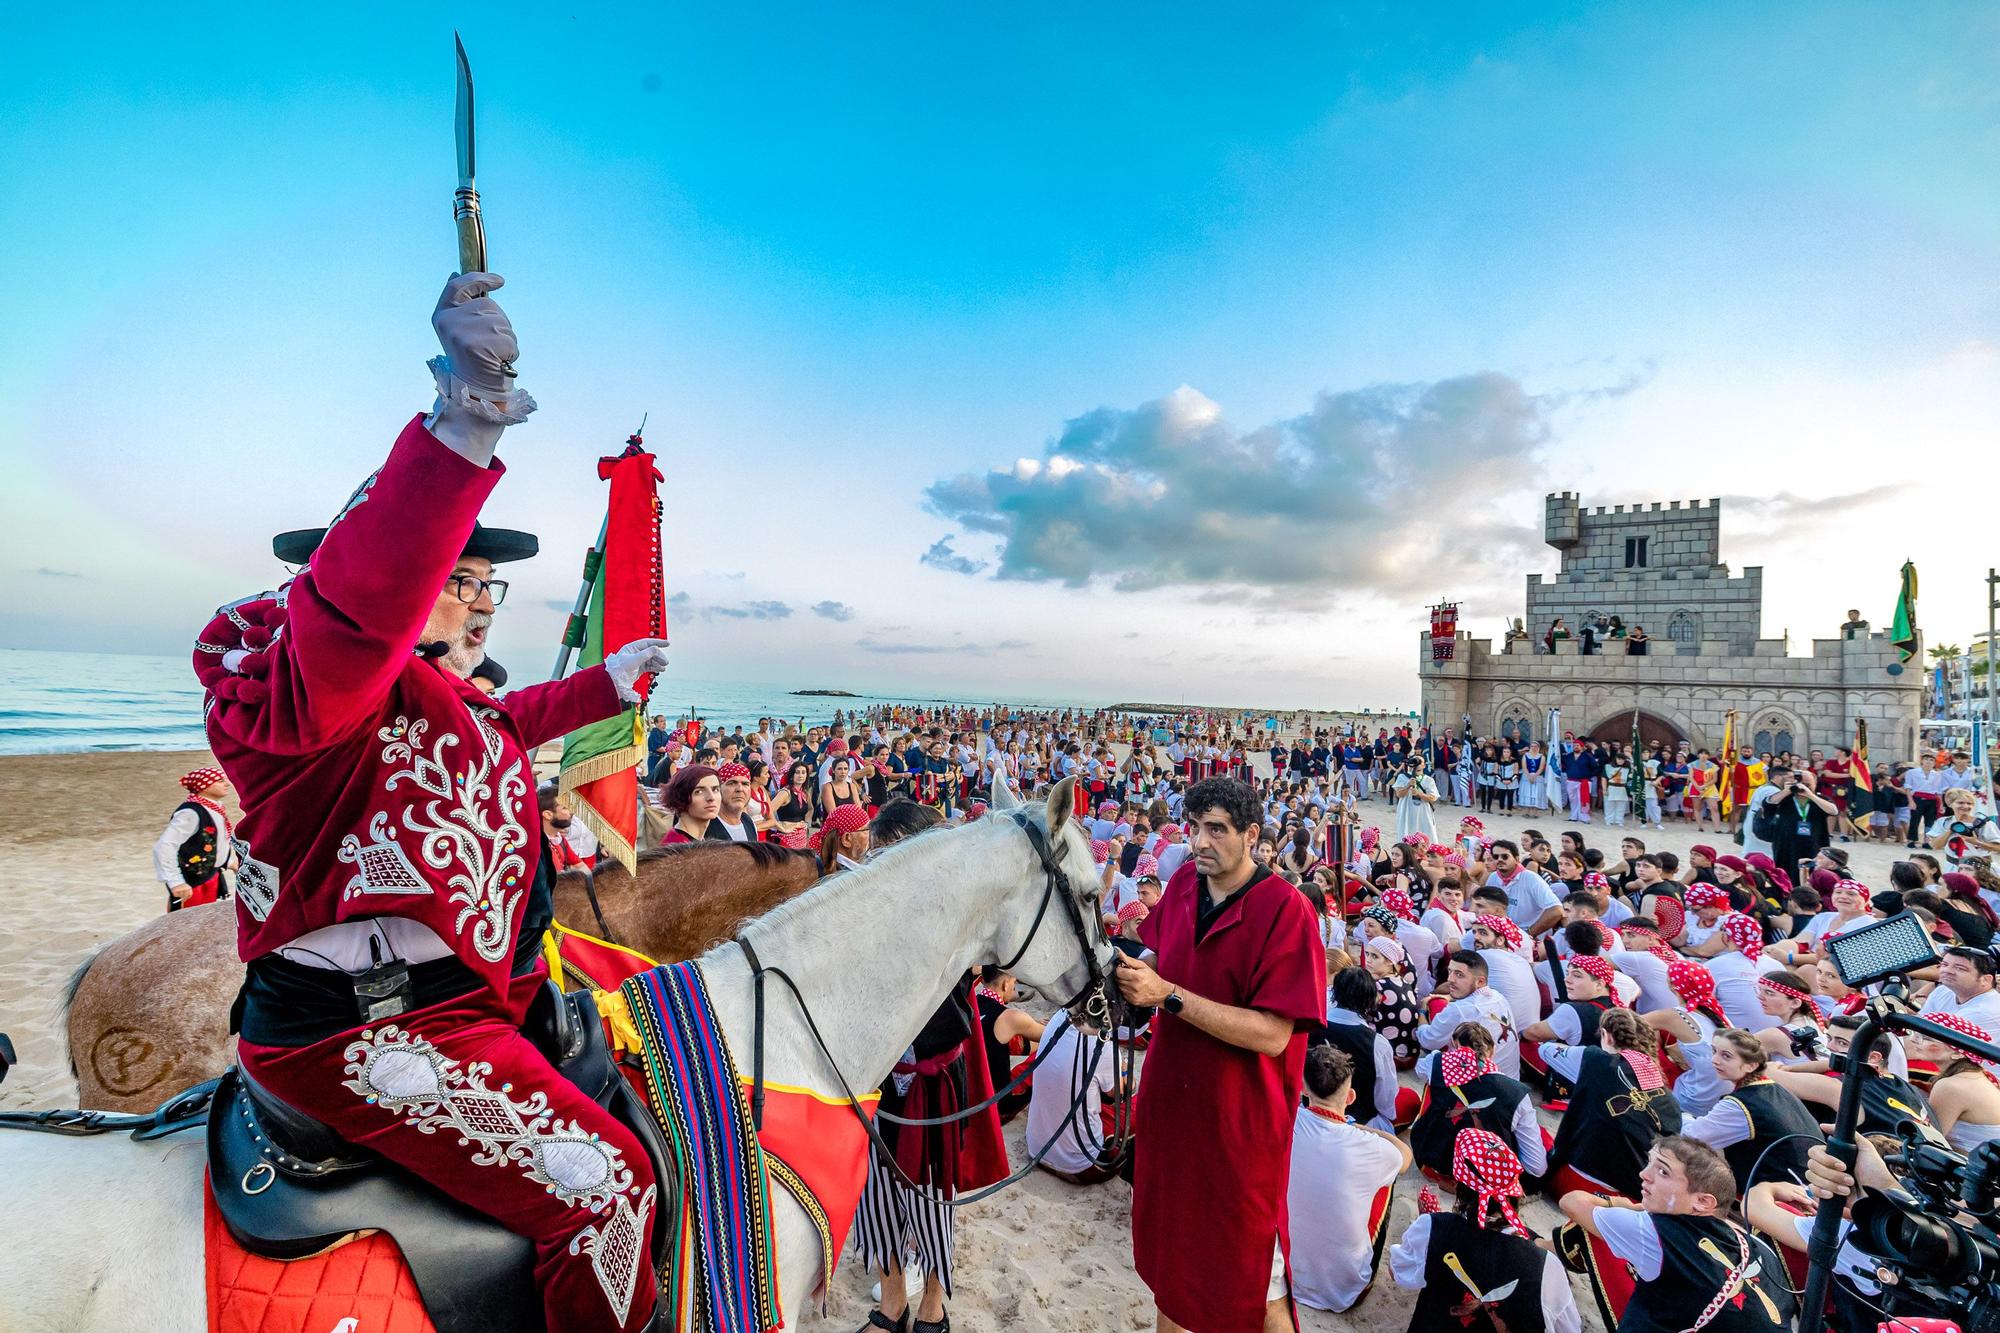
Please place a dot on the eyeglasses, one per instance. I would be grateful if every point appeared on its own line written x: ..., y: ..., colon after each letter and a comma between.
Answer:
x: 467, y: 587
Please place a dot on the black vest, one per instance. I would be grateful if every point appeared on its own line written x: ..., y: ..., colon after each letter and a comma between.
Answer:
x: 1488, y: 1102
x: 1589, y: 1014
x: 1887, y: 1101
x: 1690, y: 1276
x: 197, y: 855
x: 1358, y: 1041
x: 1773, y: 1114
x: 1611, y: 1123
x: 1492, y: 1259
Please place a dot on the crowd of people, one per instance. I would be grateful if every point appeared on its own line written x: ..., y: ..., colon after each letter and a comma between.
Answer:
x: 1643, y: 1038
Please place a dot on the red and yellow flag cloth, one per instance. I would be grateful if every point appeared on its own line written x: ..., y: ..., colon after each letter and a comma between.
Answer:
x: 628, y: 600
x: 1858, y: 776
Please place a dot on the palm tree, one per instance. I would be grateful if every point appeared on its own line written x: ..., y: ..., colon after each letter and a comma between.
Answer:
x: 1946, y: 652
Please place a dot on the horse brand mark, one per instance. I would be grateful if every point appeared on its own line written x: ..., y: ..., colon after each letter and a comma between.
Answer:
x: 127, y: 1063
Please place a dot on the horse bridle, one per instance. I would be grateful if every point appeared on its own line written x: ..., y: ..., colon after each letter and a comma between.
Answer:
x: 1092, y: 1004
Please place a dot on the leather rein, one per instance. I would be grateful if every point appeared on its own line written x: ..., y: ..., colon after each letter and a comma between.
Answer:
x: 1091, y: 1005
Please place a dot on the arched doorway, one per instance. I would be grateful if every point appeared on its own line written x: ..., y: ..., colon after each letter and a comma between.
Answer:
x: 1653, y: 729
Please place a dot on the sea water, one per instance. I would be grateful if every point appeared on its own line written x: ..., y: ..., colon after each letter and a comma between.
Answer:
x: 66, y: 702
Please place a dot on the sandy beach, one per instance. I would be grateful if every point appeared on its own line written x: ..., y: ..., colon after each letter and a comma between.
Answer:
x: 1043, y: 1257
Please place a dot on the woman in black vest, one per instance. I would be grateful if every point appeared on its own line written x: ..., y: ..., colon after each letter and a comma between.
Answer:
x: 1762, y: 1130
x: 1464, y: 1091
x: 1477, y: 1268
x: 1620, y: 1106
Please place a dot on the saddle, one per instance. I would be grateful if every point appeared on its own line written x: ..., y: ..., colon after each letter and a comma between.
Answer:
x: 288, y: 1186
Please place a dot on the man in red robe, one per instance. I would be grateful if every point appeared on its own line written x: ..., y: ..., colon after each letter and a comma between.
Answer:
x: 1241, y: 977
x: 394, y: 881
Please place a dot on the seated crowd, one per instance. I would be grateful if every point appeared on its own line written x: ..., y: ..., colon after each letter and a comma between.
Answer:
x: 1648, y: 1043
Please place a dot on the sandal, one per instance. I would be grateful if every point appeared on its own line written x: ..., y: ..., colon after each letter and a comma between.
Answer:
x: 933, y: 1326
x: 876, y: 1319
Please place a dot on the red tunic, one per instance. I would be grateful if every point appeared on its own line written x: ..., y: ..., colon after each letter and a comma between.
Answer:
x: 1214, y: 1121
x: 373, y: 782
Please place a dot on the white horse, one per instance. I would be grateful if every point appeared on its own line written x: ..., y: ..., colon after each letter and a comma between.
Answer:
x: 105, y: 1235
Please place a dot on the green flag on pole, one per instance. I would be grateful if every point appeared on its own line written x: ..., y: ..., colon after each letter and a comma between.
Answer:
x: 1904, y: 633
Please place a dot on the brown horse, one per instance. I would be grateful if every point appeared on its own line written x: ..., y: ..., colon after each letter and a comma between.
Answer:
x: 148, y: 1015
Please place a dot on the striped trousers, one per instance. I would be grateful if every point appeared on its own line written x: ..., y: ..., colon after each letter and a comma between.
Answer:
x: 911, y: 1229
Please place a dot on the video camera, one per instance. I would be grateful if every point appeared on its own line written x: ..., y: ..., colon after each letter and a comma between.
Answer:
x: 1929, y: 1259
x: 1914, y: 1233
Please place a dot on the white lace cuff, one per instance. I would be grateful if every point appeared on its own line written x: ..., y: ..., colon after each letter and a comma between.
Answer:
x: 510, y: 409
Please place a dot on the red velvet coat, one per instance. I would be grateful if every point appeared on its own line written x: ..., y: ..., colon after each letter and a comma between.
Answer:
x: 1214, y: 1121
x: 373, y: 782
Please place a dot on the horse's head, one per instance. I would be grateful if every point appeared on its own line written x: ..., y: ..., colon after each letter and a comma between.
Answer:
x: 1051, y: 931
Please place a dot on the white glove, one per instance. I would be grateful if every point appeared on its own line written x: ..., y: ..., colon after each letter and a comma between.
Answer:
x: 476, y: 398
x: 638, y: 658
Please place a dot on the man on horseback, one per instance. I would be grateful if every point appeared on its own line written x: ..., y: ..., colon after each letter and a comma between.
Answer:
x: 395, y: 883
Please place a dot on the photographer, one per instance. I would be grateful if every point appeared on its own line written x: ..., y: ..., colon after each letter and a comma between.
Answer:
x: 1886, y: 1101
x: 1854, y: 1306
x: 1796, y: 818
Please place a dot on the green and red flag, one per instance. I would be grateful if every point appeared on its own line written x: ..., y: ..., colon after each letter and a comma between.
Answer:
x: 600, y: 762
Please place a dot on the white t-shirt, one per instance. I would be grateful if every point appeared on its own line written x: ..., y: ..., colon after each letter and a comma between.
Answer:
x: 1699, y: 1088
x: 1736, y: 991
x: 1650, y: 971
x: 1982, y: 826
x: 1337, y: 1168
x: 1511, y: 975
x: 1485, y: 1006
x: 1409, y: 1256
x: 1079, y: 1142
x: 1982, y: 1009
x: 1528, y: 896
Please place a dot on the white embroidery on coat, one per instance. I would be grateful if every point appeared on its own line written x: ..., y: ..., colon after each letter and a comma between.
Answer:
x: 404, y: 1074
x: 468, y: 827
x: 256, y: 881
x: 616, y: 1250
x: 381, y: 865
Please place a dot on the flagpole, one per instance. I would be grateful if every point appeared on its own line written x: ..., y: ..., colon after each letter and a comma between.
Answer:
x: 573, y: 628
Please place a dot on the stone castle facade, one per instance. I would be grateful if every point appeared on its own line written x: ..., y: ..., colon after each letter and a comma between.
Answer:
x: 1659, y: 567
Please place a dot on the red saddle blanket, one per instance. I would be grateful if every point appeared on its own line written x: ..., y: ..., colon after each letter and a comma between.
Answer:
x: 361, y: 1285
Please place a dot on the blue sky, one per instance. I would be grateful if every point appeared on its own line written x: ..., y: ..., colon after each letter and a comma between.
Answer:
x: 854, y: 259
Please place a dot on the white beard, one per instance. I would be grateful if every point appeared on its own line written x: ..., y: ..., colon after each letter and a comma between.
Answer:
x: 462, y: 656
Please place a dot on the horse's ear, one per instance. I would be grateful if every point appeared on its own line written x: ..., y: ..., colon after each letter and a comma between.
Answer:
x: 1062, y: 805
x: 1000, y: 796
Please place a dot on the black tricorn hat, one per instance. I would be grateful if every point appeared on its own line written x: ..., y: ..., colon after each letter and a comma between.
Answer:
x: 498, y: 545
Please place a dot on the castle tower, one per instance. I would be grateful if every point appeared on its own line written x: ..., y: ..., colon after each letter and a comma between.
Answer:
x: 1657, y: 565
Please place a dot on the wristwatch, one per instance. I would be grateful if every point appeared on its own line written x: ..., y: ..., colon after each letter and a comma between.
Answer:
x: 1172, y: 1004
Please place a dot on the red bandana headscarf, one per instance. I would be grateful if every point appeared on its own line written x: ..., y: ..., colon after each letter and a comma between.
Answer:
x: 1744, y: 932
x: 845, y: 819
x: 1965, y: 1027
x: 731, y: 771
x: 1694, y: 986
x: 1398, y: 902
x: 1807, y: 1008
x: 1502, y: 927
x: 1706, y: 895
x: 1130, y: 912
x: 201, y: 780
x: 1471, y: 824
x: 1461, y: 1064
x: 1483, y: 1163
x: 1144, y: 866
x: 1597, y: 968
x: 1595, y: 880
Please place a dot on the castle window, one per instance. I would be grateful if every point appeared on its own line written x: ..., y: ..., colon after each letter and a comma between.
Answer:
x: 1517, y: 730
x: 1684, y: 627
x: 1635, y: 553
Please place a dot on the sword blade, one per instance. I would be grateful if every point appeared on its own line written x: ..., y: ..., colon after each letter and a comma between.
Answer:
x: 465, y: 124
